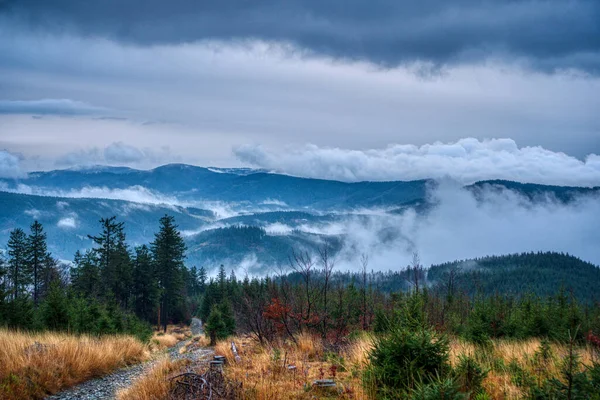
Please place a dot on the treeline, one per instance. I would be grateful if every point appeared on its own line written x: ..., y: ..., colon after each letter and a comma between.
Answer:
x: 540, y: 273
x: 110, y: 288
x: 313, y: 298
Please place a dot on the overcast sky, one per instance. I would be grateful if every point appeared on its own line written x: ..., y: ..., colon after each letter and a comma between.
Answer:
x: 351, y: 90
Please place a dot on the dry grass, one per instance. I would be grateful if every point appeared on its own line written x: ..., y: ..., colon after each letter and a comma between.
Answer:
x: 153, y: 385
x: 264, y: 374
x: 196, y: 342
x: 174, y: 335
x: 521, y: 354
x: 162, y: 341
x: 34, y: 365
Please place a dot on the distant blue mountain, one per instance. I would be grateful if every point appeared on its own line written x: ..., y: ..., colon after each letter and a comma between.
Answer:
x: 68, y: 221
x: 209, y: 205
x: 189, y: 183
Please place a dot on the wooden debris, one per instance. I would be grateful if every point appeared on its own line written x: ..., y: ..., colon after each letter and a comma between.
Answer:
x: 235, y: 352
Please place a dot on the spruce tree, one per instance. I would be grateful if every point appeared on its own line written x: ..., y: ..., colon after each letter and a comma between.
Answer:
x: 168, y: 251
x: 202, y: 278
x: 37, y: 257
x: 145, y: 284
x: 222, y: 280
x: 85, y: 276
x: 192, y: 282
x: 114, y: 260
x: 54, y: 310
x: 19, y: 274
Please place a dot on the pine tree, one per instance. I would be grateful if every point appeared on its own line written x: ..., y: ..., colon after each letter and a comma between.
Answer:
x: 168, y: 251
x: 19, y: 274
x: 145, y: 284
x: 202, y: 279
x: 55, y: 308
x: 85, y: 275
x: 114, y: 260
x: 192, y: 282
x: 215, y: 326
x: 37, y: 257
x: 222, y: 280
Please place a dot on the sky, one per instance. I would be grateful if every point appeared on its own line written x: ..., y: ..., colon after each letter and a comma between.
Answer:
x: 349, y: 90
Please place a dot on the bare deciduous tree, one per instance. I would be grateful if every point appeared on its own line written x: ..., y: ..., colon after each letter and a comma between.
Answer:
x: 416, y: 272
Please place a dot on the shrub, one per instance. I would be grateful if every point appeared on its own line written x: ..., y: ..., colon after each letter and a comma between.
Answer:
x: 441, y: 389
x: 215, y: 326
x: 470, y: 376
x: 402, y: 358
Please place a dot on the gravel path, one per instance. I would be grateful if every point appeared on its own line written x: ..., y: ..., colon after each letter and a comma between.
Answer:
x: 107, y: 386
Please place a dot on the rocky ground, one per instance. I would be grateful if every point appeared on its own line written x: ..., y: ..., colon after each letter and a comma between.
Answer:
x: 106, y: 387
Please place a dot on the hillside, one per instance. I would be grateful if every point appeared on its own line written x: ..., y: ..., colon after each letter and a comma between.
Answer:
x: 236, y: 244
x: 188, y: 182
x: 68, y: 221
x: 543, y: 274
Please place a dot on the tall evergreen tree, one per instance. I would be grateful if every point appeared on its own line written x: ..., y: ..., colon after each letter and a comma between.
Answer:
x: 168, y: 250
x: 85, y: 276
x: 192, y: 282
x: 222, y: 281
x: 202, y: 279
x: 37, y: 257
x: 19, y: 274
x: 145, y: 284
x: 114, y: 260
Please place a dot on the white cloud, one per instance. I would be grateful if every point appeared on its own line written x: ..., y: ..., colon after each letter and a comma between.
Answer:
x: 136, y: 194
x: 33, y: 213
x: 67, y: 223
x: 279, y: 97
x: 10, y: 165
x: 61, y: 205
x: 461, y: 226
x: 274, y: 202
x: 466, y: 160
x: 120, y: 152
x: 278, y: 228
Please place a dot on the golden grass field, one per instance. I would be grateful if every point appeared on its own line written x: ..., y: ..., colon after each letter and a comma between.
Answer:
x: 154, y: 385
x: 33, y: 365
x: 264, y: 374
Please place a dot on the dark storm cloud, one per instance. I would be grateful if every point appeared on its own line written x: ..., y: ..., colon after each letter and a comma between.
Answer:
x: 548, y: 35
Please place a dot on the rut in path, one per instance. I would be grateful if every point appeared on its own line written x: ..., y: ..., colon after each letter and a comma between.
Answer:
x: 106, y: 387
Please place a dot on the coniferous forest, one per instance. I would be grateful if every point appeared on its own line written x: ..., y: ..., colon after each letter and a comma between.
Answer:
x: 115, y: 288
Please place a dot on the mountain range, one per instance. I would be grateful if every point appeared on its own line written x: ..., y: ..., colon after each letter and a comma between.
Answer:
x: 233, y: 216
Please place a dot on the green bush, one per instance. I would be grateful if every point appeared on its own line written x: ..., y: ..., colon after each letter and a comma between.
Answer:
x: 469, y: 376
x: 441, y: 389
x: 402, y: 358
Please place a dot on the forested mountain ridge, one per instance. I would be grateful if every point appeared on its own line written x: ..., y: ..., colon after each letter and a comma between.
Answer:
x: 542, y: 274
x: 210, y: 203
x: 196, y: 183
x: 188, y: 182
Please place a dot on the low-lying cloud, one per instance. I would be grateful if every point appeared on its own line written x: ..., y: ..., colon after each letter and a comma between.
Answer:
x: 67, y: 222
x: 136, y: 194
x: 461, y: 226
x: 10, y: 166
x: 466, y: 160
